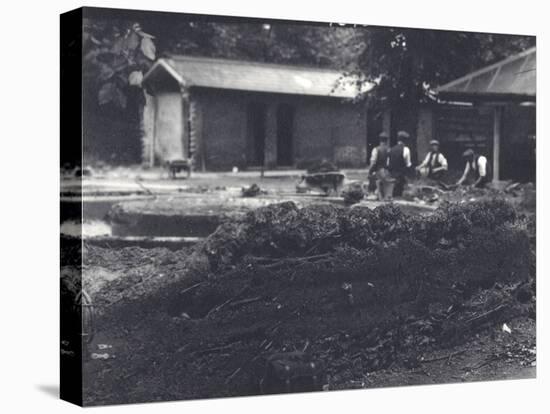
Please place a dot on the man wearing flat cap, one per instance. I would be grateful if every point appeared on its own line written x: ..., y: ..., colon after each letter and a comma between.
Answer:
x: 477, y: 169
x: 378, y: 168
x: 435, y: 164
x: 400, y: 162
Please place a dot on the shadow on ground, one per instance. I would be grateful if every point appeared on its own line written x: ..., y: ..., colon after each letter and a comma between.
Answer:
x: 49, y: 389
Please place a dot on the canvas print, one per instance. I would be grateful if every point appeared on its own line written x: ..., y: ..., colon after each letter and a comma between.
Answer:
x: 255, y: 206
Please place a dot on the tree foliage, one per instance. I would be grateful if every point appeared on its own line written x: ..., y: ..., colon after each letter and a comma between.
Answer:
x: 117, y: 52
x: 407, y: 64
x: 115, y: 56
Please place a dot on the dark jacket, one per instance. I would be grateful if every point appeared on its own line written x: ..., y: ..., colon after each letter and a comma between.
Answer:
x: 397, y: 163
x: 382, y: 157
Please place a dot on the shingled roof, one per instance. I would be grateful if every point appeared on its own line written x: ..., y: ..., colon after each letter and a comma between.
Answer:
x: 514, y: 77
x: 254, y: 76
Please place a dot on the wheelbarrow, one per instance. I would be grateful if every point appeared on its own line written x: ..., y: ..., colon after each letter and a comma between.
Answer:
x: 328, y: 182
x: 178, y: 165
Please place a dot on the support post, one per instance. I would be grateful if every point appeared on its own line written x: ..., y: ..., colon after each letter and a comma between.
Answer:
x: 496, y: 141
x: 270, y: 151
x: 186, y: 126
x: 424, y: 131
x: 154, y: 134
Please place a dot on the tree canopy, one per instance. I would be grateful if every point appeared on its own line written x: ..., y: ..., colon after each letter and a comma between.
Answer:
x: 408, y: 63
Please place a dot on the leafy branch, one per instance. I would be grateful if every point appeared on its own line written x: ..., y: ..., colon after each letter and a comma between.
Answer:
x: 116, y: 55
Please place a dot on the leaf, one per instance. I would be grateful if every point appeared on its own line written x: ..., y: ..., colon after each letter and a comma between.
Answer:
x: 105, y: 73
x: 119, y: 63
x: 120, y: 98
x: 143, y: 34
x: 135, y: 78
x: 105, y: 56
x: 132, y: 41
x: 110, y: 93
x: 148, y: 48
x: 118, y: 45
x: 94, y: 40
x: 106, y: 93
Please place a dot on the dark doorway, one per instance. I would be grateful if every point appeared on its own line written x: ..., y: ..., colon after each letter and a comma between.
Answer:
x: 517, y: 153
x: 285, y: 126
x: 256, y: 134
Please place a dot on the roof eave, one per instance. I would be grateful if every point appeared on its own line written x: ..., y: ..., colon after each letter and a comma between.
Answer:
x: 485, y: 97
x: 330, y: 95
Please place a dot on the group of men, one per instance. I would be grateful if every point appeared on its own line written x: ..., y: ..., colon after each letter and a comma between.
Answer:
x: 390, y: 166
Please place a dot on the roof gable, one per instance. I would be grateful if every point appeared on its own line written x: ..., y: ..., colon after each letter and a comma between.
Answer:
x: 257, y: 77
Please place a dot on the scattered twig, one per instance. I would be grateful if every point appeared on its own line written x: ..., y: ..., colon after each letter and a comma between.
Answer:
x: 447, y: 356
x: 229, y: 378
x: 250, y: 360
x: 228, y: 301
x: 297, y: 260
x: 485, y: 315
x: 182, y: 348
x: 487, y: 361
x: 215, y: 349
x: 312, y: 248
x: 196, y: 285
x: 275, y: 326
x: 245, y: 301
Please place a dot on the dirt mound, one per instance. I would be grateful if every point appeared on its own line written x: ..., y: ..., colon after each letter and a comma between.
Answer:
x: 521, y: 196
x: 353, y: 193
x: 357, y: 289
x: 284, y: 230
x: 322, y: 166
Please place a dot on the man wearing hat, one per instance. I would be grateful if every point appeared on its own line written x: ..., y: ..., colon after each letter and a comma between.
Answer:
x: 435, y: 164
x: 378, y: 167
x: 400, y: 162
x: 476, y: 166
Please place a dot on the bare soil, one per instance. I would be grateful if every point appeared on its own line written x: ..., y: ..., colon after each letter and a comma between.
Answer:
x: 378, y: 298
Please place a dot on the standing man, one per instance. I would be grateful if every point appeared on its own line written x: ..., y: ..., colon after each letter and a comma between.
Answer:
x: 400, y: 162
x: 435, y: 164
x: 378, y: 166
x: 476, y: 166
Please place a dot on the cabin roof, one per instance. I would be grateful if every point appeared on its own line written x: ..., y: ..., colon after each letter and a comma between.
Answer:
x: 514, y: 77
x: 257, y: 77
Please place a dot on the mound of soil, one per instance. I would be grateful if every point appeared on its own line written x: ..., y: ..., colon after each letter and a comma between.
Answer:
x: 358, y: 290
x: 322, y: 166
x: 353, y: 193
x: 284, y: 230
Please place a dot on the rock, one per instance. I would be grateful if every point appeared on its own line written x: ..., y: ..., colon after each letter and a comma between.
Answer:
x: 353, y: 193
x: 251, y: 191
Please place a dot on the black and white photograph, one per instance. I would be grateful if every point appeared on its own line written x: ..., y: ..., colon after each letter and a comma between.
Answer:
x: 268, y: 207
x: 261, y: 206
